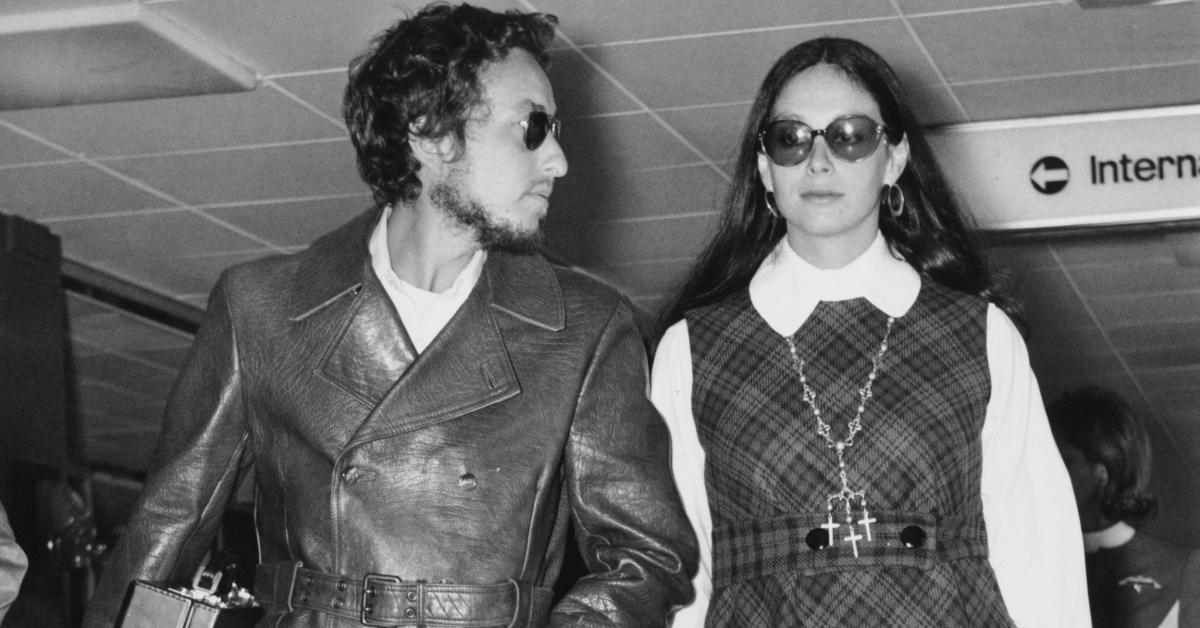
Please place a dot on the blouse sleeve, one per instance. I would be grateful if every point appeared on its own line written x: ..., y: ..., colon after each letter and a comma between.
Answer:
x: 1034, y: 541
x: 671, y: 392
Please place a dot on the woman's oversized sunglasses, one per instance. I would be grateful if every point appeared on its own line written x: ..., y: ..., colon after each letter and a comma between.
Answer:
x: 537, y: 126
x: 850, y: 138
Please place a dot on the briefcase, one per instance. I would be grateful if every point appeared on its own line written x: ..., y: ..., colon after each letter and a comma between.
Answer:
x: 153, y: 605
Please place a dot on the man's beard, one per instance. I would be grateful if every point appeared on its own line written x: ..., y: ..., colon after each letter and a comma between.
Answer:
x: 489, y: 233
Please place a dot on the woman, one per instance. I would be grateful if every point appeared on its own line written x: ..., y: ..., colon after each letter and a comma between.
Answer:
x: 1134, y: 580
x: 862, y: 412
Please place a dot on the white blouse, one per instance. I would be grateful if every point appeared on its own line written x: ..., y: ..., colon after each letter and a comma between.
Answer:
x: 1033, y: 530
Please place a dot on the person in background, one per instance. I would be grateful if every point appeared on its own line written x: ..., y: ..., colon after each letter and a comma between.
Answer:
x: 858, y: 435
x: 429, y: 405
x: 13, y: 564
x: 1134, y: 579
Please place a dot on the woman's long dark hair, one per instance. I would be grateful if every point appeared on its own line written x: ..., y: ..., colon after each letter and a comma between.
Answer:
x: 932, y: 234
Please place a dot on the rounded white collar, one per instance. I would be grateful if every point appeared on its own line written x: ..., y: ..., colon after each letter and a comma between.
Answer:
x: 786, y: 289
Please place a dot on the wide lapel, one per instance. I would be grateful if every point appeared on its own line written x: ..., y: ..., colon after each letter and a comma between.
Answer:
x: 368, y: 348
x: 467, y: 366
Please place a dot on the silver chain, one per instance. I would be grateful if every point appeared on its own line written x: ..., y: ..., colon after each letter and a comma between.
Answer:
x: 864, y: 393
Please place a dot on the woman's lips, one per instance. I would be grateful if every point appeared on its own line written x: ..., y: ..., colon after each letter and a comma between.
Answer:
x: 820, y: 196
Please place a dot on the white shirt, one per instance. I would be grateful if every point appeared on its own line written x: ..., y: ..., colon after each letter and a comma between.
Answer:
x: 1034, y: 543
x: 423, y: 313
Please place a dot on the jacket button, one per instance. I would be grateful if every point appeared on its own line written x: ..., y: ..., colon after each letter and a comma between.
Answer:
x: 912, y: 536
x: 350, y: 475
x: 411, y: 596
x: 467, y: 481
x: 410, y: 612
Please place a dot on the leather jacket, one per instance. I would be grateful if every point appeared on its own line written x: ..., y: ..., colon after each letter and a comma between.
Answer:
x: 466, y: 463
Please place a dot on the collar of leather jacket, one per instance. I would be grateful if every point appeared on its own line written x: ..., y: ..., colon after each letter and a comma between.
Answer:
x: 338, y: 264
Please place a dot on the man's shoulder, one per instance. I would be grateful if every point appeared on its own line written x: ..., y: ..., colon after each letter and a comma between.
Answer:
x: 274, y: 270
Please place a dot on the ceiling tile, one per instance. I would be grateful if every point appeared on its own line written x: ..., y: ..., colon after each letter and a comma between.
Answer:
x: 715, y: 130
x: 171, y: 124
x: 111, y: 399
x: 1172, y: 379
x: 912, y: 7
x: 1058, y: 37
x: 79, y: 306
x: 729, y: 68
x: 323, y: 91
x: 1135, y: 278
x: 1082, y: 93
x: 613, y: 243
x: 605, y: 197
x: 647, y: 280
x: 293, y: 222
x: 119, y: 331
x: 275, y: 37
x: 1138, y: 337
x: 621, y: 143
x: 169, y: 358
x: 296, y: 171
x: 651, y: 308
x: 1146, y: 308
x: 70, y: 189
x: 1049, y: 291
x: 581, y: 90
x: 1119, y: 249
x: 1047, y: 338
x: 1056, y: 376
x: 198, y: 300
x: 116, y: 452
x: 126, y: 374
x: 624, y: 20
x: 177, y: 275
x: 12, y: 7
x: 1184, y: 356
x: 16, y: 148
x: 1020, y: 257
x: 935, y: 104
x: 157, y: 235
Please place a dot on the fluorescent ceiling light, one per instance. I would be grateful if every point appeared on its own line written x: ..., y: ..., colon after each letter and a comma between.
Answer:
x: 108, y: 53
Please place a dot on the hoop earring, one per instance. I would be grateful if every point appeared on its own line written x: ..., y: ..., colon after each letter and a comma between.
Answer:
x: 769, y: 199
x: 888, y: 199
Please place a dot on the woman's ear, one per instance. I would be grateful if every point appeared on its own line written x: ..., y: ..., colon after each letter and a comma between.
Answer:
x: 1100, y: 474
x: 897, y: 160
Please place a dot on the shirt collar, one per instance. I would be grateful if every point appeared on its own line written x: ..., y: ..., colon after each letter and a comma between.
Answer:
x: 381, y: 262
x: 1115, y: 535
x: 786, y: 289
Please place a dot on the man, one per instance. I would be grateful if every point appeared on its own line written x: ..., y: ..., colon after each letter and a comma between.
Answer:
x: 428, y: 404
x: 1134, y: 580
x: 13, y: 564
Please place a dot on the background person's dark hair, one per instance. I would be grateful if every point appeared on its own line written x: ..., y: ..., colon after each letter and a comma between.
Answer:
x: 932, y: 234
x: 421, y: 77
x: 1104, y: 428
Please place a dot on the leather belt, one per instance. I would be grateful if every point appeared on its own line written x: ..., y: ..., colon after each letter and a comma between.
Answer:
x: 383, y: 600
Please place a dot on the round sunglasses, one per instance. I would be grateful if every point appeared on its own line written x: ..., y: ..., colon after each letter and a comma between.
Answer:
x: 849, y: 138
x: 537, y: 126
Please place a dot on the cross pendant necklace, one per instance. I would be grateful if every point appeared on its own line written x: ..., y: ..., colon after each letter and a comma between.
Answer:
x: 846, y: 500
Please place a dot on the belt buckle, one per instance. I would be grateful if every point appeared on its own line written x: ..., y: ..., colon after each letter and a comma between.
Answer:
x: 365, y: 607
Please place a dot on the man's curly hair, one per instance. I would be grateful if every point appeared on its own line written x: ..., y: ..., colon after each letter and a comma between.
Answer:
x: 421, y: 78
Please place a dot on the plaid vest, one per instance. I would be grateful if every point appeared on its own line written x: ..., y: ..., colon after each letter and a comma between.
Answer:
x: 917, y: 460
